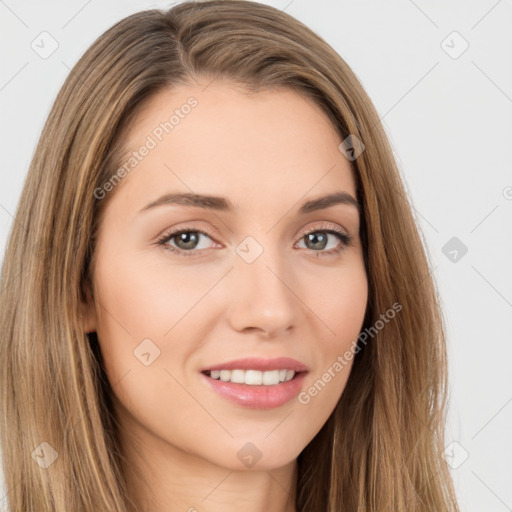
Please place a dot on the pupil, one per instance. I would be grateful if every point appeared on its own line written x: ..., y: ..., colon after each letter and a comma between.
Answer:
x: 188, y: 240
x: 313, y: 237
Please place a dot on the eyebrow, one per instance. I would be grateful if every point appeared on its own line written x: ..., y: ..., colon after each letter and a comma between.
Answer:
x: 225, y: 205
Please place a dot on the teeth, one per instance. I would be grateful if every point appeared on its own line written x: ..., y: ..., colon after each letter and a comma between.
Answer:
x: 270, y: 378
x: 253, y: 377
x: 237, y: 376
x: 225, y: 375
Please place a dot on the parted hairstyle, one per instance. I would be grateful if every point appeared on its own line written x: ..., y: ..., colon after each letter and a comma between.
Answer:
x: 381, y: 448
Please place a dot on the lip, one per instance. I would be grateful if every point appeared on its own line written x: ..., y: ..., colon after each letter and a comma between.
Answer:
x: 261, y: 364
x: 257, y: 397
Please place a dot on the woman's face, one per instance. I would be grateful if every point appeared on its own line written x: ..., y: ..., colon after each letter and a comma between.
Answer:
x: 257, y: 285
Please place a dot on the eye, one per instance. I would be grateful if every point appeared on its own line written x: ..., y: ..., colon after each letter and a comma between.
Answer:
x: 318, y: 239
x: 187, y: 242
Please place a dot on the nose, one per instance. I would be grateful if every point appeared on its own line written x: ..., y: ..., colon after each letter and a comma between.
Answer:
x: 262, y: 297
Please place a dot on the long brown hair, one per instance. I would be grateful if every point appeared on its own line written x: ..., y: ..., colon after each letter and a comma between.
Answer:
x: 381, y: 449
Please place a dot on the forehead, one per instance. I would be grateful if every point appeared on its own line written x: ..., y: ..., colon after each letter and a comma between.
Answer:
x: 218, y: 139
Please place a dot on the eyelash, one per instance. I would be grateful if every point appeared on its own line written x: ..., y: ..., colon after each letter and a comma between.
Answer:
x: 344, y: 238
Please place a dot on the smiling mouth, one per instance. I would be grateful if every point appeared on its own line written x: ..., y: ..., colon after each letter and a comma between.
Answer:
x: 252, y: 377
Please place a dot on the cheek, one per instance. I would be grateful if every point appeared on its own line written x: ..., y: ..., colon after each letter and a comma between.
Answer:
x: 149, y: 316
x: 146, y: 300
x: 340, y: 301
x: 341, y: 309
x: 137, y: 307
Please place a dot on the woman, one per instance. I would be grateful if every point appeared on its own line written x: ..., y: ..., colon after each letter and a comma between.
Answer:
x: 214, y: 293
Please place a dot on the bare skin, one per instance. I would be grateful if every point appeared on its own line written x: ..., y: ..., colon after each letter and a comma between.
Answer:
x: 267, y: 153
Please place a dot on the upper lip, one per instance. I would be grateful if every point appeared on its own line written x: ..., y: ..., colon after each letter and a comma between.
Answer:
x: 261, y: 364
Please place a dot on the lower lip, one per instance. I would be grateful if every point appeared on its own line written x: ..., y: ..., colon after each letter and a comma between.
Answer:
x: 258, y: 397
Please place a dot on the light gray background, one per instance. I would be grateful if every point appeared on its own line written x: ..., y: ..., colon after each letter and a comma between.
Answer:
x: 448, y: 117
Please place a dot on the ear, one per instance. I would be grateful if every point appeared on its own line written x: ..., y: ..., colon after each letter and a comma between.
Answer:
x: 88, y: 311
